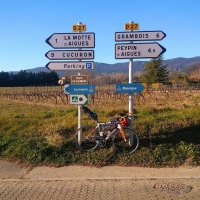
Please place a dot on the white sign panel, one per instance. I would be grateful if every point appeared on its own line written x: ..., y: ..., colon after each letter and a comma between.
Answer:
x: 70, y: 65
x: 79, y: 99
x: 139, y: 36
x: 139, y: 50
x: 70, y: 54
x: 71, y: 40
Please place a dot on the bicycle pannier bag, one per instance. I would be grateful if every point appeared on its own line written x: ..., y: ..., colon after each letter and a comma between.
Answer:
x: 110, y: 126
x: 89, y: 113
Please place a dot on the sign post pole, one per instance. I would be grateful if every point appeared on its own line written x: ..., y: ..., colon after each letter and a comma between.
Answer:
x: 70, y: 41
x: 134, y: 51
x: 131, y: 97
x: 79, y: 108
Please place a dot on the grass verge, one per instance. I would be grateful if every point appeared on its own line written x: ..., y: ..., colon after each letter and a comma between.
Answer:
x: 43, y: 135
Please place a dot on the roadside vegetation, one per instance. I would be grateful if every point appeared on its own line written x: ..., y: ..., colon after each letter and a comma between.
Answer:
x: 37, y: 124
x: 42, y: 134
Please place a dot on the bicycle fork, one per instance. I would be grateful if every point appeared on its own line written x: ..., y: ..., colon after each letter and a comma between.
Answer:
x: 120, y: 130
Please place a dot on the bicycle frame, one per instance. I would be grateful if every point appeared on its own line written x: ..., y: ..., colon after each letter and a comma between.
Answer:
x: 124, y: 139
x: 97, y: 127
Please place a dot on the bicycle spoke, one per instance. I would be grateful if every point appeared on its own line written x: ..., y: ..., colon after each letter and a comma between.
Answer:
x: 130, y: 145
x: 85, y: 139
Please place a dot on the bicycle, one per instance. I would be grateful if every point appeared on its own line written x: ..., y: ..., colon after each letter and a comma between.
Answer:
x: 123, y: 138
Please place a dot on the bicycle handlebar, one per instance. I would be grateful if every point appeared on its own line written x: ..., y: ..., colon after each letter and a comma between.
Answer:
x: 94, y: 116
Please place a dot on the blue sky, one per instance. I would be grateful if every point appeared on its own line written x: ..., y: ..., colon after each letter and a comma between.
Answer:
x: 26, y: 24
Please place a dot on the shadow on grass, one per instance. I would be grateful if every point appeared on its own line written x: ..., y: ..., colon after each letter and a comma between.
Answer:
x: 188, y: 135
x: 155, y: 150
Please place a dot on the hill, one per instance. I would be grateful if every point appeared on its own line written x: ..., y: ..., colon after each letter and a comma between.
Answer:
x: 184, y: 64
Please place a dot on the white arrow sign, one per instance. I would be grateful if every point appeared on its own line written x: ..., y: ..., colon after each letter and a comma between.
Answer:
x: 71, y: 40
x: 70, y: 54
x: 139, y: 36
x: 79, y: 99
x: 70, y: 65
x: 139, y: 50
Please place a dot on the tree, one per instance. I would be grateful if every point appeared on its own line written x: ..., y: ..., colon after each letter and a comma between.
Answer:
x: 4, y: 79
x: 155, y: 72
x: 22, y: 78
x: 195, y: 72
x: 53, y: 78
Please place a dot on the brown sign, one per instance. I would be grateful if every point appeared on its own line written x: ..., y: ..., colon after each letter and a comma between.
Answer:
x: 79, y: 79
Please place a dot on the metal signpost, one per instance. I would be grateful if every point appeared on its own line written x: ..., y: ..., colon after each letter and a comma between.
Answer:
x: 131, y: 26
x: 79, y: 89
x: 78, y: 93
x: 130, y: 88
x: 79, y: 99
x: 136, y: 51
x: 79, y: 79
x: 70, y: 54
x: 70, y: 65
x: 139, y: 50
x: 71, y: 40
x: 79, y: 27
x: 139, y: 36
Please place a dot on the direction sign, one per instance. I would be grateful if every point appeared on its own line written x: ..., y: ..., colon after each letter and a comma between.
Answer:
x: 131, y: 26
x: 79, y: 79
x: 130, y: 88
x: 139, y: 50
x: 79, y: 89
x: 70, y: 54
x: 71, y: 40
x: 80, y: 27
x: 70, y: 65
x: 139, y: 36
x: 79, y: 99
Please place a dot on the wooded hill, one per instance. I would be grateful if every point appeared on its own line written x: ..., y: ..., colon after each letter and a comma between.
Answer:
x: 181, y: 64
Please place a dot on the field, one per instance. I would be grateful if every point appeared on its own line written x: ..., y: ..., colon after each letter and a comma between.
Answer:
x: 37, y: 126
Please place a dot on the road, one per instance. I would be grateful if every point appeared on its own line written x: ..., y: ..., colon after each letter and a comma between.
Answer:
x: 106, y: 183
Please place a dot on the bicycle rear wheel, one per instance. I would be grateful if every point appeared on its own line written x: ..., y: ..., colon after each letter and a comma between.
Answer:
x: 130, y: 145
x: 86, y: 138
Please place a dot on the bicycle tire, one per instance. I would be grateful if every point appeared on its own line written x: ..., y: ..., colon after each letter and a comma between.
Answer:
x: 86, y: 144
x: 124, y: 147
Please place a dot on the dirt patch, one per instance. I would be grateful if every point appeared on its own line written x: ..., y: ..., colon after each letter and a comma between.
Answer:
x: 173, y: 187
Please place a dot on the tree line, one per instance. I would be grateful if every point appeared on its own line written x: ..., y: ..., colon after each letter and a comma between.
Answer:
x: 153, y: 72
x: 23, y: 78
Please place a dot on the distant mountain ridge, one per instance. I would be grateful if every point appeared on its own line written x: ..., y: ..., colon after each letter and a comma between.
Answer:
x: 184, y: 64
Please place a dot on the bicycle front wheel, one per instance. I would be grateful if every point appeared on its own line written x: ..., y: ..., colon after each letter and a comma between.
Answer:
x: 86, y: 138
x: 130, y: 145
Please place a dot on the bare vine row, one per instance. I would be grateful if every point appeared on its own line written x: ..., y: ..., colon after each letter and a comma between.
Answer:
x: 101, y: 96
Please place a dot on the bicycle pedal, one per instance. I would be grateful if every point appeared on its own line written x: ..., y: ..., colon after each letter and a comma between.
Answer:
x: 97, y: 141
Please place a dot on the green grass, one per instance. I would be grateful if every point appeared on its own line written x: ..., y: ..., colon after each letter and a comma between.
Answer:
x: 43, y: 135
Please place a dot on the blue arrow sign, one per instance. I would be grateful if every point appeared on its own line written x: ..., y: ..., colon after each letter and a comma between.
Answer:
x: 79, y: 89
x: 129, y: 88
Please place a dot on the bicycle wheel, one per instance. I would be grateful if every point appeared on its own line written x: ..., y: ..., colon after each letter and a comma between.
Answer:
x: 86, y: 138
x: 127, y: 147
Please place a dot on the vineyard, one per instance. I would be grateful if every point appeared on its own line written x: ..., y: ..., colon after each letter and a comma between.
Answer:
x: 104, y: 95
x: 37, y: 125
